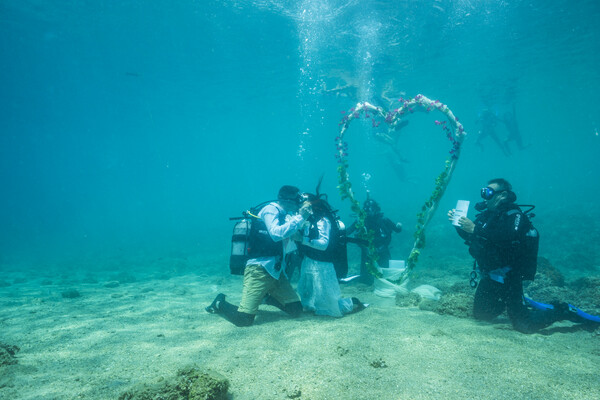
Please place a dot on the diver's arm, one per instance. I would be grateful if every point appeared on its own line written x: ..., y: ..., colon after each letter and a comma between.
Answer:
x: 270, y: 215
x: 465, y: 235
x: 351, y: 229
x: 396, y: 227
x: 322, y: 241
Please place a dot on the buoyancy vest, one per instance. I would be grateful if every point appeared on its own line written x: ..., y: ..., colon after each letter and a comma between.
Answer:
x: 260, y: 243
x: 326, y: 255
x: 336, y: 251
x: 251, y: 239
x: 519, y: 254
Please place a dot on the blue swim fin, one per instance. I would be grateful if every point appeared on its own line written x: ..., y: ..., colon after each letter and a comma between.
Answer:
x: 576, y: 311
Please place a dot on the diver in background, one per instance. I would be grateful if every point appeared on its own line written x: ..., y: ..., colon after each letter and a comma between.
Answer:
x: 383, y: 228
x: 395, y: 158
x: 488, y: 121
x: 514, y: 134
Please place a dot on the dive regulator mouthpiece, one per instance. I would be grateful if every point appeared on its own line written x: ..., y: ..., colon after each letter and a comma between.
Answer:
x: 482, y: 205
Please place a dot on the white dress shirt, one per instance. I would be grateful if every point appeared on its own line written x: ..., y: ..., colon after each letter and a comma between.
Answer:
x: 278, y: 232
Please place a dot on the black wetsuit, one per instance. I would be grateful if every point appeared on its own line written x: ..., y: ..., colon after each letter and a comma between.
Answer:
x: 383, y: 228
x: 496, y: 244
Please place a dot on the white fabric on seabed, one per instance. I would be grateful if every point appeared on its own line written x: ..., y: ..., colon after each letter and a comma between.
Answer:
x: 384, y: 288
x: 319, y: 289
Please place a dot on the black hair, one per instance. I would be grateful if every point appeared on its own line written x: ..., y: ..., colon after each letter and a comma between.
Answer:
x: 502, y: 183
x: 318, y: 202
x: 290, y: 193
x: 319, y: 205
x: 505, y: 185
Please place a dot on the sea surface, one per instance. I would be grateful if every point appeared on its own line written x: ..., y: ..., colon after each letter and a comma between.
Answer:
x: 132, y: 131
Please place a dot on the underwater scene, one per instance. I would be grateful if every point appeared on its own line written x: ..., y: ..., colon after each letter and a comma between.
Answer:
x: 136, y: 135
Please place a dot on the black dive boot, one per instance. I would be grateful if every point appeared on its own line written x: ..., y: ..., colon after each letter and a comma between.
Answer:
x: 358, y: 305
x: 229, y: 311
x: 214, y: 306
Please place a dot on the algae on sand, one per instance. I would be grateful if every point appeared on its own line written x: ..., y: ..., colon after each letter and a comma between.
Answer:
x: 190, y: 383
x: 7, y: 354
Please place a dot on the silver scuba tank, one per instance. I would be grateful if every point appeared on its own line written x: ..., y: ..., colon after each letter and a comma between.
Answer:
x: 239, y: 246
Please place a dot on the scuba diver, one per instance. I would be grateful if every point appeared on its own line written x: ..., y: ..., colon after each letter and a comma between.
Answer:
x: 320, y: 244
x: 514, y: 134
x: 269, y: 240
x: 504, y: 244
x: 383, y: 228
x: 488, y: 121
x: 395, y: 158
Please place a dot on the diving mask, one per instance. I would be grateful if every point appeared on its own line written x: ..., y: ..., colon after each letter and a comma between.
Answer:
x: 487, y: 193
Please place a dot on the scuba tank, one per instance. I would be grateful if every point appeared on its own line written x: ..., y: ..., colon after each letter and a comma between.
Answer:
x: 340, y: 252
x: 239, y: 246
x: 530, y: 247
x: 250, y: 239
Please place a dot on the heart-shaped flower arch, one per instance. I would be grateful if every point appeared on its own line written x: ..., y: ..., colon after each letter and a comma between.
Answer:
x: 454, y: 132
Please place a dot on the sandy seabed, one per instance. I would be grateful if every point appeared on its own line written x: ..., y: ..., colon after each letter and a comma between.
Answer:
x: 110, y: 339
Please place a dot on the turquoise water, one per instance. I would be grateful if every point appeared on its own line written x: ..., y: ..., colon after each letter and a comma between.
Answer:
x: 137, y: 127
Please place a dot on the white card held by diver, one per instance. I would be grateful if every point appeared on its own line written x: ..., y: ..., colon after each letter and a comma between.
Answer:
x: 462, y: 207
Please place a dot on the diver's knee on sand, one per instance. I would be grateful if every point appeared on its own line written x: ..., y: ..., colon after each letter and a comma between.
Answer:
x: 294, y: 309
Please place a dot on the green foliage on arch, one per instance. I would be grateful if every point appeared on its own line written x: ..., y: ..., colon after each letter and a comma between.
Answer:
x: 453, y: 130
